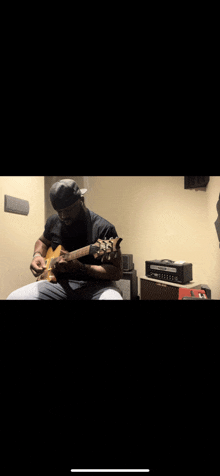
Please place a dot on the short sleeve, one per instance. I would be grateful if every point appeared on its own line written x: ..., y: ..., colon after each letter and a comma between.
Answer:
x: 47, y: 232
x: 108, y: 232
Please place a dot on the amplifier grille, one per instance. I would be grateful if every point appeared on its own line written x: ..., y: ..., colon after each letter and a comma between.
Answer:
x: 157, y: 291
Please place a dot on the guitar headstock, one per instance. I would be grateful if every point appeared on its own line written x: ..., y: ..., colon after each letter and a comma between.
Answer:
x: 106, y: 247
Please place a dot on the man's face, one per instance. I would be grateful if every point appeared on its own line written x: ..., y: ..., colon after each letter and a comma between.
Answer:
x: 70, y: 214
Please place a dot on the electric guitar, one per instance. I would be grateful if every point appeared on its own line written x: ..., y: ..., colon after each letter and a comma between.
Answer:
x: 104, y: 248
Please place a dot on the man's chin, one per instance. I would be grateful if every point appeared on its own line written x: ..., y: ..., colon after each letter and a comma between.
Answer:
x: 67, y: 222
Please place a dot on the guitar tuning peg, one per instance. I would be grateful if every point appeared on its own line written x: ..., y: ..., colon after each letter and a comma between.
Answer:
x: 115, y: 255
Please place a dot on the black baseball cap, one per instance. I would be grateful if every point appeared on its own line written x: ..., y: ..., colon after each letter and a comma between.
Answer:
x: 65, y: 193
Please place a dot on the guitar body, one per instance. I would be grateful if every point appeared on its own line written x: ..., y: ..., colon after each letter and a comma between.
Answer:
x: 102, y: 248
x: 47, y: 273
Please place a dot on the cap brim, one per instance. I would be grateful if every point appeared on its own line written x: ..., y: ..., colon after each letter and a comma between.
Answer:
x: 83, y: 191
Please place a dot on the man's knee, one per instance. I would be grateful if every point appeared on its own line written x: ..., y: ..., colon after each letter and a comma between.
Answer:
x: 15, y: 295
x: 26, y: 292
x: 12, y: 296
x: 111, y: 294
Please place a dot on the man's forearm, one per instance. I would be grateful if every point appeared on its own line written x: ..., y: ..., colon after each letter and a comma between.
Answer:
x: 41, y: 248
x: 106, y: 271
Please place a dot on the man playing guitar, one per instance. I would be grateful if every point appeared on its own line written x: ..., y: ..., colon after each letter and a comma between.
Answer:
x: 74, y: 227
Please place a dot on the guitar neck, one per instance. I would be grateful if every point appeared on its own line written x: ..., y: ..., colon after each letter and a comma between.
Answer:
x: 79, y: 253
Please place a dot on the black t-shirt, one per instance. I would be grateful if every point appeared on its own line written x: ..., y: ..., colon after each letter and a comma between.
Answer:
x: 86, y: 232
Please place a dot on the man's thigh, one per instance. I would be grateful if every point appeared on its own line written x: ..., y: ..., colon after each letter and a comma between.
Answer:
x: 66, y: 290
x: 41, y: 290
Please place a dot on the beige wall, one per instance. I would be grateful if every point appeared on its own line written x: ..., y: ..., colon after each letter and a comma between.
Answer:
x: 18, y: 233
x: 157, y: 218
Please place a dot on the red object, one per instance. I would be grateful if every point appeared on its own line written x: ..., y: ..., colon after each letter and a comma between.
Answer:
x: 198, y: 293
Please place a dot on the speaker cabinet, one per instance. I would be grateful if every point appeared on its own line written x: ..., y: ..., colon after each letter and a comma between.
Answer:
x: 129, y: 285
x: 152, y: 289
x: 128, y: 264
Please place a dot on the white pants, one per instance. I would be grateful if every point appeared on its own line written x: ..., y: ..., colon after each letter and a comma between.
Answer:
x: 68, y: 290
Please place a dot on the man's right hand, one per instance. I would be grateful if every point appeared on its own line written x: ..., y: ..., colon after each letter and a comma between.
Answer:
x: 38, y: 265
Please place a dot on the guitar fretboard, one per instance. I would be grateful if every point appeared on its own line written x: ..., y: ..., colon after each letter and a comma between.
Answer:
x: 79, y: 253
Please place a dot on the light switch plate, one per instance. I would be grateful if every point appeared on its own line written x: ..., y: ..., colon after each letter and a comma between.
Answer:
x: 16, y: 205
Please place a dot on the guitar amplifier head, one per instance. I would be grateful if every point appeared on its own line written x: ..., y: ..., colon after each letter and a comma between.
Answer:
x: 168, y: 270
x: 128, y: 264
